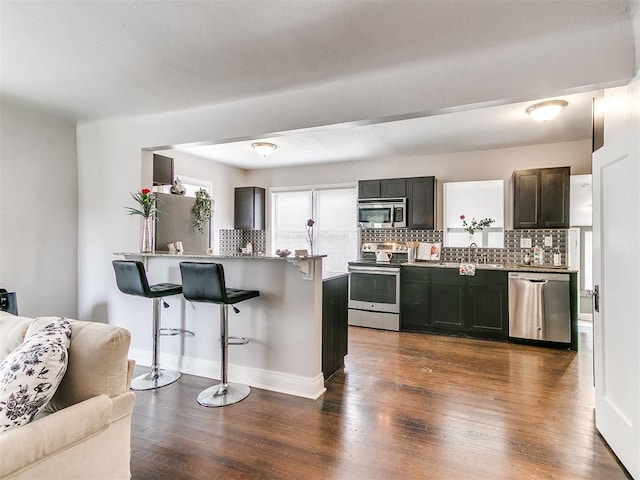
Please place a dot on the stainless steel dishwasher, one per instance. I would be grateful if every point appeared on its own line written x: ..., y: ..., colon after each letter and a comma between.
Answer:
x: 540, y: 306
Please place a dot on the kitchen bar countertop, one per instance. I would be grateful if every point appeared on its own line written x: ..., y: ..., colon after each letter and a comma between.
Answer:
x: 284, y: 324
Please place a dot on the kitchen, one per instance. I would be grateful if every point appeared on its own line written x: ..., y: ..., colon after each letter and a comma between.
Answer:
x: 475, y: 165
x: 457, y: 68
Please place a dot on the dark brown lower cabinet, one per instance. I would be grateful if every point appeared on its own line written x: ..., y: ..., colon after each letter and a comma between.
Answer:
x: 414, y: 299
x: 440, y: 300
x: 447, y: 300
x: 488, y: 304
x: 334, y: 324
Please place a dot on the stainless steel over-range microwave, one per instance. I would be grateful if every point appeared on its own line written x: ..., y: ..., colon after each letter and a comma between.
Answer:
x: 382, y: 212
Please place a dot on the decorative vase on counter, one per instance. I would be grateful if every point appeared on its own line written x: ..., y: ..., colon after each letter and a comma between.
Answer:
x: 146, y: 239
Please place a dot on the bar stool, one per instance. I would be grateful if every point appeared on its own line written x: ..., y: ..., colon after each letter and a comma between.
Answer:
x: 204, y: 282
x: 132, y: 280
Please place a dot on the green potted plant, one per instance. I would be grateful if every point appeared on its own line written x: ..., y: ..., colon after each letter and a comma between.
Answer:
x: 201, y: 210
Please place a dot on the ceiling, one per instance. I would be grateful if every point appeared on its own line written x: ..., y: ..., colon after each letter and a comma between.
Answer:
x: 475, y: 129
x: 102, y: 59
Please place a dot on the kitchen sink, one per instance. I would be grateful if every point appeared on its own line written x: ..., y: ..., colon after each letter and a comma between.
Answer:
x: 478, y: 265
x: 448, y: 264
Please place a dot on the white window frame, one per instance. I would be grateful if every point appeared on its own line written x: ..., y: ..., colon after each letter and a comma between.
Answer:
x: 270, y: 207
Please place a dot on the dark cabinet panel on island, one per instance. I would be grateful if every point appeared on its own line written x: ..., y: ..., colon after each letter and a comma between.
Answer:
x: 249, y: 208
x: 334, y: 324
x: 541, y: 198
x: 442, y: 301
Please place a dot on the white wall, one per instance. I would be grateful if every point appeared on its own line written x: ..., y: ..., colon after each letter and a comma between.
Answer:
x: 452, y: 167
x: 38, y: 210
x: 224, y: 179
x: 622, y: 104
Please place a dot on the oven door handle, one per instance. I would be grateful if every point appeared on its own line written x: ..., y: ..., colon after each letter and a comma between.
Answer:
x: 375, y: 270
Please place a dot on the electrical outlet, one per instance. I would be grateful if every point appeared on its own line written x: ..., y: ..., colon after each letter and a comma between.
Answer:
x: 548, y: 241
x: 525, y: 243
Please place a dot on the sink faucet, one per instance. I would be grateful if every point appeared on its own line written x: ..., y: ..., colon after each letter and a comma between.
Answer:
x: 475, y: 253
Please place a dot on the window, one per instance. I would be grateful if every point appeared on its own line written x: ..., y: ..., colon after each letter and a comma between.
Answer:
x: 334, y: 233
x: 484, y: 199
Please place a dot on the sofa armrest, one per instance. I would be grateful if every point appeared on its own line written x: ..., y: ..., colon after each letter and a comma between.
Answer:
x: 131, y: 364
x: 123, y: 406
x: 41, y: 438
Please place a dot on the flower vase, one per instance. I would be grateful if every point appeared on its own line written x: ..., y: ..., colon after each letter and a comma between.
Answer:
x: 146, y: 239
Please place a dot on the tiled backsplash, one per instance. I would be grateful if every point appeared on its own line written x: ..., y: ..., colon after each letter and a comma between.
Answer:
x: 231, y: 241
x: 511, y: 253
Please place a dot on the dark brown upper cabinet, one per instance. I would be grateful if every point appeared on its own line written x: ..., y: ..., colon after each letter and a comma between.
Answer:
x: 393, y: 188
x: 421, y: 203
x: 369, y: 189
x: 384, y: 188
x: 249, y: 208
x: 541, y: 198
x: 420, y: 193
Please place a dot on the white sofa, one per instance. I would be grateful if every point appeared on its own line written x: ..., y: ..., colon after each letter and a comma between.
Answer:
x: 85, y: 431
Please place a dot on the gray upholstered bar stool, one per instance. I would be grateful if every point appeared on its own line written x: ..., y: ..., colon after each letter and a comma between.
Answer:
x: 132, y: 280
x: 204, y: 282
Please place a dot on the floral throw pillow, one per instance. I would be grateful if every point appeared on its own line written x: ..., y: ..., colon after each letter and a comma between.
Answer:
x: 30, y: 375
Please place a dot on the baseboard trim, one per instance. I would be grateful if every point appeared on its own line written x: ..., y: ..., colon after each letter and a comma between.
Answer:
x: 305, y: 387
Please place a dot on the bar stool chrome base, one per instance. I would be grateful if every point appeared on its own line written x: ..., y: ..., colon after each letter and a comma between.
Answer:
x: 221, y: 395
x: 156, y: 378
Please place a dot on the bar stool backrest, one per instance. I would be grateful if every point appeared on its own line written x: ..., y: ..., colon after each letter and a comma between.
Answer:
x: 131, y: 278
x: 203, y: 282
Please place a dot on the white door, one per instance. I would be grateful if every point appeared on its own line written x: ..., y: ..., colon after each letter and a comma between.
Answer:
x: 616, y: 271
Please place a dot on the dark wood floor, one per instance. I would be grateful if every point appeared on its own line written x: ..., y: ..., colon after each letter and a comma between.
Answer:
x: 407, y: 406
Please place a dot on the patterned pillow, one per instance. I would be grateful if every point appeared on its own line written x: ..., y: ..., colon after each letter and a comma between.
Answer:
x: 30, y: 375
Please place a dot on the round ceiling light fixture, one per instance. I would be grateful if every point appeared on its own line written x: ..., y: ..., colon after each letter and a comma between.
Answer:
x: 543, y: 111
x: 264, y: 148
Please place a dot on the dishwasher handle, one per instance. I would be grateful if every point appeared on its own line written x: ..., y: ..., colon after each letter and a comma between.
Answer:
x: 537, y: 281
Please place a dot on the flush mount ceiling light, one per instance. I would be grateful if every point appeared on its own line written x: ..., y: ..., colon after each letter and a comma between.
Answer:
x: 264, y: 148
x: 543, y: 111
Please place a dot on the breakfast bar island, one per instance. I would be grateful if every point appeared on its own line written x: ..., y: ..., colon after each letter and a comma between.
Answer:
x: 284, y: 324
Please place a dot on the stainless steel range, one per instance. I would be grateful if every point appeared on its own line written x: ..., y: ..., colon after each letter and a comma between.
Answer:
x: 374, y: 286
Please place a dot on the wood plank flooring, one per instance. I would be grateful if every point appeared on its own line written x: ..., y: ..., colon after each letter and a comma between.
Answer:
x: 406, y: 406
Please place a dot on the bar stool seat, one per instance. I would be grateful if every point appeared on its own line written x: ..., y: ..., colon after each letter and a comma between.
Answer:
x: 204, y: 282
x: 132, y: 280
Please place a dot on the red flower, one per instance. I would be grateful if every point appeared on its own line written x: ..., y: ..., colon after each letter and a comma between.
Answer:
x: 145, y: 191
x: 310, y: 222
x: 461, y: 217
